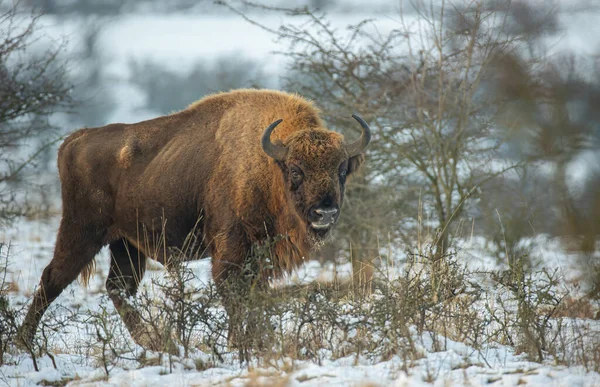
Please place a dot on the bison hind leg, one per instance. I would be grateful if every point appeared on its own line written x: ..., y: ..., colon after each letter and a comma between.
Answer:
x: 127, y: 268
x: 76, y: 246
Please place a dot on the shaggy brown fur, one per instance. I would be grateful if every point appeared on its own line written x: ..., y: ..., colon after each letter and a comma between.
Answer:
x: 142, y: 188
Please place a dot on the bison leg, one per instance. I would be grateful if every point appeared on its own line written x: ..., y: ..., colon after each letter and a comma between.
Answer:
x: 76, y: 246
x: 237, y: 280
x: 127, y: 268
x: 228, y: 276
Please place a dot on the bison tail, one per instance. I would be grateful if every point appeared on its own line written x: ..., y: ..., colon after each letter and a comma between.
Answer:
x: 87, y: 273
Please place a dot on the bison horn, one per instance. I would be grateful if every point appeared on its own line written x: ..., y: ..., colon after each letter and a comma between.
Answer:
x: 358, y: 146
x: 275, y: 151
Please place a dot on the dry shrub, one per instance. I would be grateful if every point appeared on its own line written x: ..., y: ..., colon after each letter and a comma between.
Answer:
x: 427, y: 295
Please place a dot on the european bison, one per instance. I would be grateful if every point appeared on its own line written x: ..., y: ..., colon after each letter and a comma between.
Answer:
x: 233, y: 170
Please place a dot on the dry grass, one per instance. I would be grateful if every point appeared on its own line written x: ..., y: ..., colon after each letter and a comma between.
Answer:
x: 261, y: 378
x: 435, y: 295
x: 430, y: 295
x: 577, y: 308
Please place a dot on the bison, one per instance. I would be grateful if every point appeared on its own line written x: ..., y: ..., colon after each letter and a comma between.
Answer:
x: 233, y: 170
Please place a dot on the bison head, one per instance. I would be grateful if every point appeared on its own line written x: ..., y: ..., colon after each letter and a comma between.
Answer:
x: 315, y: 164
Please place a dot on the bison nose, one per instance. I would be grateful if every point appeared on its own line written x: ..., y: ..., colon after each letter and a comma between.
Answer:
x: 325, y: 215
x: 324, y: 212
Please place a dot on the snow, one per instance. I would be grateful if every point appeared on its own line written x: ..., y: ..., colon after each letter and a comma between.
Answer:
x: 458, y: 364
x: 457, y: 367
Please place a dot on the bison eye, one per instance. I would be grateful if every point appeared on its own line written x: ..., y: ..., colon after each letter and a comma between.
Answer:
x: 343, y: 170
x: 296, y: 174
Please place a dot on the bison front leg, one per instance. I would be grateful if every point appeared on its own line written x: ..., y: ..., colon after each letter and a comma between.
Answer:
x: 127, y: 269
x: 227, y: 275
x: 238, y: 282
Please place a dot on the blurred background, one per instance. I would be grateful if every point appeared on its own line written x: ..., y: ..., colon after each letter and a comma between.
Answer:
x: 485, y: 114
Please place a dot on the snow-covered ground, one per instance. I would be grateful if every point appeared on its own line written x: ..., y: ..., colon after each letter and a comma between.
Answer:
x: 31, y: 244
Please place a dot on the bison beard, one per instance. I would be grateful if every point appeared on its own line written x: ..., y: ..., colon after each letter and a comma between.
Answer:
x: 212, y: 169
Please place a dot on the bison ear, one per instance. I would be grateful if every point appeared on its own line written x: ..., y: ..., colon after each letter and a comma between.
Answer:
x: 355, y: 162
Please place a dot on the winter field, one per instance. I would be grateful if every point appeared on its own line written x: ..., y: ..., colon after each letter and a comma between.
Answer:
x: 465, y: 321
x: 77, y: 352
